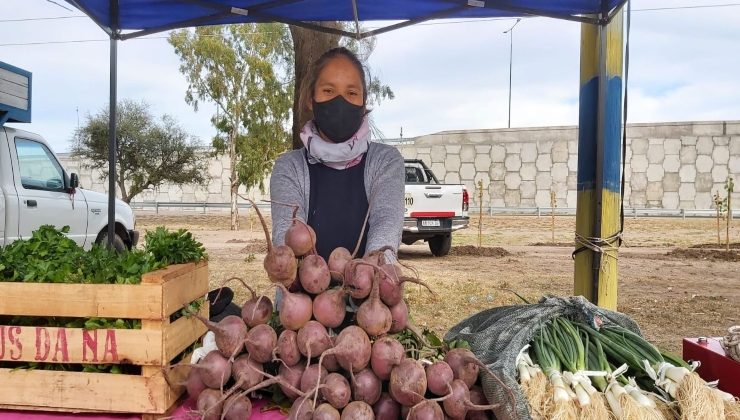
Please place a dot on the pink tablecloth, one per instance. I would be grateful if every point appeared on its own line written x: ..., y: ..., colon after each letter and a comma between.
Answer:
x: 181, y: 413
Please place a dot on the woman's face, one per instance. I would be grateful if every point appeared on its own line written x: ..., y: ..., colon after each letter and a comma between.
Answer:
x: 339, y: 77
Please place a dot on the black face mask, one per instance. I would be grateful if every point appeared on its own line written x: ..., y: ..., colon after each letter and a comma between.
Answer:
x: 337, y: 118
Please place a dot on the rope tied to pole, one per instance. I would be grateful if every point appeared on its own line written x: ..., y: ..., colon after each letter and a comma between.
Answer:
x: 602, y: 246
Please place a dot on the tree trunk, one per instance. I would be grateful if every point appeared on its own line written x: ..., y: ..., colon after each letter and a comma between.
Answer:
x: 308, y: 45
x: 233, y: 181
x: 122, y: 186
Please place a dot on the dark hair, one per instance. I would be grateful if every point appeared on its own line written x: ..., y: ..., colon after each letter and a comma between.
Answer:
x: 309, y: 81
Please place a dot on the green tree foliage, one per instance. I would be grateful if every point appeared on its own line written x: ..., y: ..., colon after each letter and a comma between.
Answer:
x: 149, y: 152
x: 245, y: 71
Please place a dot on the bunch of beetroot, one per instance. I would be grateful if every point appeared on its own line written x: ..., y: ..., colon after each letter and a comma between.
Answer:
x: 331, y: 364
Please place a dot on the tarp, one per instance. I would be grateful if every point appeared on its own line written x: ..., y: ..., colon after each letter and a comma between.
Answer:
x: 140, y: 17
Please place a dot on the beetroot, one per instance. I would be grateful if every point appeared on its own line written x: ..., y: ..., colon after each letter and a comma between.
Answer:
x: 391, y: 284
x: 246, y: 372
x: 210, y: 404
x: 300, y: 237
x: 313, y: 340
x: 230, y: 333
x: 458, y: 404
x: 330, y: 307
x: 194, y: 384
x: 261, y: 341
x: 386, y: 408
x: 358, y: 278
x: 408, y: 382
x: 214, y: 370
x: 302, y: 409
x: 357, y: 410
x: 325, y: 412
x: 386, y: 354
x: 351, y: 348
x: 280, y: 262
x: 237, y: 407
x: 295, y: 309
x: 287, y: 347
x: 439, y: 377
x: 464, y: 365
x: 337, y: 391
x: 330, y: 362
x: 479, y: 398
x: 373, y: 316
x: 338, y: 260
x: 366, y: 386
x: 426, y: 410
x: 312, y: 377
x: 399, y: 317
x: 291, y: 377
x: 256, y: 310
x: 313, y: 274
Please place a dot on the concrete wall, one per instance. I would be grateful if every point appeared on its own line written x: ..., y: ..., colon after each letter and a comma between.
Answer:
x: 669, y: 165
x: 216, y: 191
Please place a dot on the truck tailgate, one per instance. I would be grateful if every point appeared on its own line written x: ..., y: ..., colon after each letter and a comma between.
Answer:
x: 433, y: 201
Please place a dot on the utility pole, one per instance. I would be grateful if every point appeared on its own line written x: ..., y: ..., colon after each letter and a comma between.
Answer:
x: 510, y: 31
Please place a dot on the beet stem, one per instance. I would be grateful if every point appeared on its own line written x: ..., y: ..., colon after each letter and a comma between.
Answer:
x: 262, y: 220
x: 420, y: 283
x: 362, y: 233
x: 241, y: 280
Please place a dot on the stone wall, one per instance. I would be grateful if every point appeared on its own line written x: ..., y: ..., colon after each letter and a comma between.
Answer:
x: 669, y: 165
x: 216, y: 191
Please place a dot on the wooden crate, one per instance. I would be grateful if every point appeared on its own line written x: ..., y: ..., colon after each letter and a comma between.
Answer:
x: 160, y: 294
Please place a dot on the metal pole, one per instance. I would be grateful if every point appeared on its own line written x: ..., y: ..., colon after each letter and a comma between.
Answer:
x: 112, y: 142
x: 510, y: 31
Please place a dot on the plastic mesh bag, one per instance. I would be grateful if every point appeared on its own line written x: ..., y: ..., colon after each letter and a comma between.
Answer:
x: 497, y: 335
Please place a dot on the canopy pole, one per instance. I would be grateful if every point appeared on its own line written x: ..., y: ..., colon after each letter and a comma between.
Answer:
x: 599, y: 159
x: 112, y: 141
x: 112, y: 120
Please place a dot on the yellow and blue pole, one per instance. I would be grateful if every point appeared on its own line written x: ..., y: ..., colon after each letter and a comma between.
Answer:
x: 599, y: 162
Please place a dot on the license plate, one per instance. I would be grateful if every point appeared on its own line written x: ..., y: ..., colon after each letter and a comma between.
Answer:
x: 431, y: 223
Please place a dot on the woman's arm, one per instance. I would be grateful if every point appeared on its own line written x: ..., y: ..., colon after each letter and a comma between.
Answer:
x: 386, y: 201
x: 285, y: 187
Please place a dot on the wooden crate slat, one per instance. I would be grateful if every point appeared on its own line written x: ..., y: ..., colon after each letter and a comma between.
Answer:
x: 184, y: 287
x: 76, y: 345
x: 141, y: 301
x: 85, y: 391
x: 171, y: 271
x: 182, y: 333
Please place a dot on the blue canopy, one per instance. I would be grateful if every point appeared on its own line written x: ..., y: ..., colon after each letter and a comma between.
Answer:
x: 142, y: 17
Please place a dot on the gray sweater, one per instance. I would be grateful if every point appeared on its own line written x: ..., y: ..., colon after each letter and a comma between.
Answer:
x: 384, y: 186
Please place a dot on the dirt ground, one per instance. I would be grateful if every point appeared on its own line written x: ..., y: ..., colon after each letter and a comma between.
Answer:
x: 669, y: 288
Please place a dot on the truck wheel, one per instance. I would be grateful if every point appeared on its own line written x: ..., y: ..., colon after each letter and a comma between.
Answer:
x: 440, y: 245
x: 118, y: 243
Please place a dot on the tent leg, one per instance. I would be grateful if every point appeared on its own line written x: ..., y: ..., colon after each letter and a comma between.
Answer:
x: 112, y: 142
x: 599, y: 158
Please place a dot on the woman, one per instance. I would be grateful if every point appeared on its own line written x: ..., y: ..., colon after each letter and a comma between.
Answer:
x: 340, y: 174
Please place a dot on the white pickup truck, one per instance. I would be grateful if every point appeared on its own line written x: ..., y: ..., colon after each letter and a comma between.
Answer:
x: 433, y: 210
x: 34, y: 187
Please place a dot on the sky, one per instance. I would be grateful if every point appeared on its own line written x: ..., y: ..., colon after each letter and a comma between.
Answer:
x: 446, y: 75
